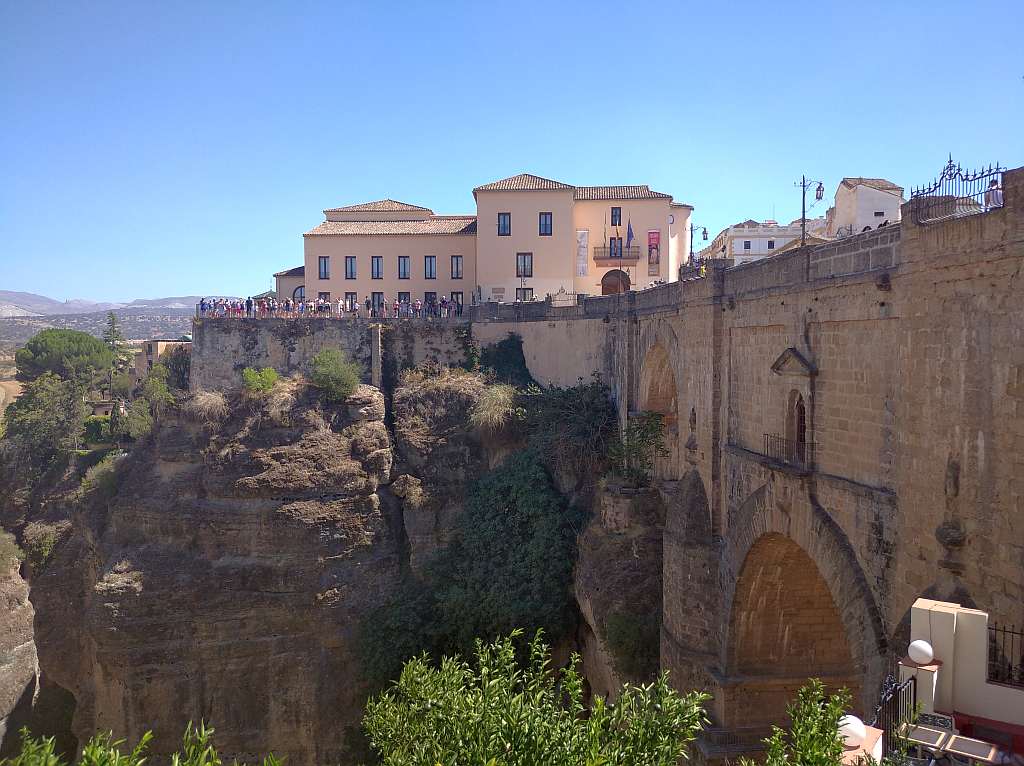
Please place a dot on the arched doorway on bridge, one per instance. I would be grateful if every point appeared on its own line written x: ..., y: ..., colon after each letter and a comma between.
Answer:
x: 615, y: 281
x: 784, y: 628
x: 658, y: 393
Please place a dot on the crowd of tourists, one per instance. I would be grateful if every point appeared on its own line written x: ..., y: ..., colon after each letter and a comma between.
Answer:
x: 266, y: 308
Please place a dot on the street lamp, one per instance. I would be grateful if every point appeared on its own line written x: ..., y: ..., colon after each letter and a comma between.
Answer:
x: 704, y: 234
x: 819, y: 192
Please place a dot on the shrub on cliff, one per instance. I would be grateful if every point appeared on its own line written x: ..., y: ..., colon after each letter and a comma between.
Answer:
x: 498, y: 711
x: 510, y: 565
x: 495, y: 408
x: 10, y: 552
x: 207, y: 407
x: 642, y: 441
x: 259, y: 383
x: 45, y: 421
x: 335, y: 375
x: 197, y: 749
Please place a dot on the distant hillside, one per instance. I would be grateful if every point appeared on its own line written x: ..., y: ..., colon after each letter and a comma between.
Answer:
x: 30, y: 303
x: 136, y: 323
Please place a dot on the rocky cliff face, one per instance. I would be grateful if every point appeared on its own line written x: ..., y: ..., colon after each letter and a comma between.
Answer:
x: 225, y: 580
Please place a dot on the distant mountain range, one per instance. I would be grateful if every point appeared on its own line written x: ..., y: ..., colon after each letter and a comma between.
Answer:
x: 22, y: 315
x: 13, y: 304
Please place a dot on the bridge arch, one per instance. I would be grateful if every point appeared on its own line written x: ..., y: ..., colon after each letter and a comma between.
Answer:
x: 658, y: 391
x: 798, y: 605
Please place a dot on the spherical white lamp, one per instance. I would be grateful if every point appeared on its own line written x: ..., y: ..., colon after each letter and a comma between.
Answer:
x: 921, y: 652
x: 852, y: 730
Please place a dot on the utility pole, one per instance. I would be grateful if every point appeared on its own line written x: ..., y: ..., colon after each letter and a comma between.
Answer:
x: 803, y: 183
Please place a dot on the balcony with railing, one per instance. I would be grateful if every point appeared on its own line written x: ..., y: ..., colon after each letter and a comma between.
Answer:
x: 625, y: 256
x: 786, y: 451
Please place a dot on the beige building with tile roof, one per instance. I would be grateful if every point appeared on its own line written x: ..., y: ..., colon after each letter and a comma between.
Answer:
x: 531, y: 236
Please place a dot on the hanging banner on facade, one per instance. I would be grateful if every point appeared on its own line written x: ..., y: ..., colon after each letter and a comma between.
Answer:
x: 582, y: 244
x: 653, y: 252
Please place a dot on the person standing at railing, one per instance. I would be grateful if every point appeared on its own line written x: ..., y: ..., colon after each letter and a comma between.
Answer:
x: 993, y: 195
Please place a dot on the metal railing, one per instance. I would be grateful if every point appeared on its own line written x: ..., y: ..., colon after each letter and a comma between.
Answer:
x: 897, y: 705
x: 1006, y: 655
x: 785, y: 450
x: 631, y: 253
x: 957, y: 193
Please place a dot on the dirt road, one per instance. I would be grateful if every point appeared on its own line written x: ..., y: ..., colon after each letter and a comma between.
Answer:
x: 9, y: 391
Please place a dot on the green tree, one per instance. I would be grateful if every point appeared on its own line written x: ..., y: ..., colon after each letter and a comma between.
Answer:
x: 259, y: 382
x: 335, y: 375
x: 123, y: 358
x: 47, y: 418
x: 639, y: 443
x: 67, y: 353
x: 499, y: 712
x: 178, y: 362
x: 155, y: 390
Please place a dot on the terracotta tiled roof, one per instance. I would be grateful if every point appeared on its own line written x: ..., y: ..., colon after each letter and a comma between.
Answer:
x: 298, y: 271
x: 618, y: 192
x: 436, y: 224
x: 875, y: 183
x: 523, y: 182
x: 380, y: 206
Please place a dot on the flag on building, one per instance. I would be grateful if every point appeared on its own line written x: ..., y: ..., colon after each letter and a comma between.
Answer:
x: 629, y: 233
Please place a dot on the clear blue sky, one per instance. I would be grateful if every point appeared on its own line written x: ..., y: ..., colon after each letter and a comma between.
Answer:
x: 166, y: 148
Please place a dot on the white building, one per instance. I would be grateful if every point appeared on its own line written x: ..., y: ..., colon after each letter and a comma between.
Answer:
x: 862, y: 204
x: 750, y: 240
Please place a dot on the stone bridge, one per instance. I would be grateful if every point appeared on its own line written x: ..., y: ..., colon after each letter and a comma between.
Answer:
x: 846, y: 433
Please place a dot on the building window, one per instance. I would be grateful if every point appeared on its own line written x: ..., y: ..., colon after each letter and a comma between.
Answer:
x: 544, y: 225
x: 504, y: 224
x: 350, y: 267
x: 524, y: 294
x: 616, y: 216
x: 403, y: 267
x: 771, y: 244
x: 377, y: 267
x: 323, y: 296
x: 456, y: 267
x: 879, y: 213
x: 325, y: 267
x: 351, y: 300
x: 430, y: 300
x: 430, y: 267
x: 615, y: 247
x: 524, y: 264
x: 457, y: 297
x: 376, y: 301
x: 300, y: 293
x: 796, y: 428
x: 746, y: 244
x: 405, y: 298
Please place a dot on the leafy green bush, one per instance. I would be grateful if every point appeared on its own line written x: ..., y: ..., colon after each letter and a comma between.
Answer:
x: 633, y: 641
x: 136, y: 422
x: 634, y: 452
x: 97, y: 429
x: 9, y: 551
x: 156, y: 391
x: 335, y: 375
x: 259, y: 383
x: 498, y: 712
x: 509, y: 565
x: 122, y: 385
x: 103, y: 750
x: 102, y: 478
x: 813, y: 738
x: 506, y: 361
x: 495, y: 408
x: 572, y: 427
x: 178, y: 362
x: 39, y: 542
x: 69, y: 354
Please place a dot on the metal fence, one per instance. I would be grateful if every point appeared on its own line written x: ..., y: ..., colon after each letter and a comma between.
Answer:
x: 1006, y: 655
x: 897, y: 705
x: 957, y: 193
x: 785, y: 450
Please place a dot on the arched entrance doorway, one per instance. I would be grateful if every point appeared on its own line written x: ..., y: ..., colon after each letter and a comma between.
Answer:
x: 784, y: 628
x: 615, y: 281
x: 658, y: 394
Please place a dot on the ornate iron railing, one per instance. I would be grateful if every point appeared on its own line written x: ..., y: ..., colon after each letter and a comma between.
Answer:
x: 897, y: 705
x: 1006, y: 655
x: 957, y: 193
x: 785, y: 450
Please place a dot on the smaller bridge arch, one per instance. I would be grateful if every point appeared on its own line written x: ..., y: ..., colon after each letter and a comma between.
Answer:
x: 659, y: 393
